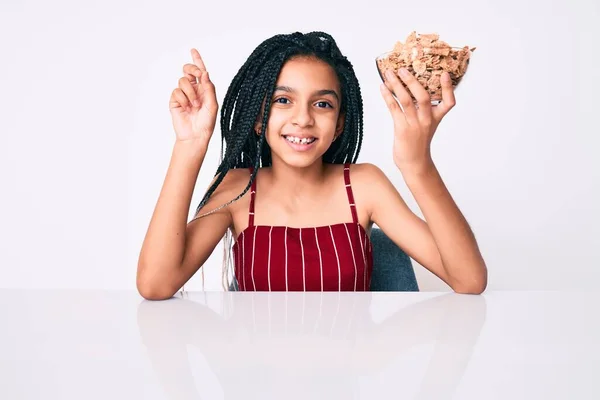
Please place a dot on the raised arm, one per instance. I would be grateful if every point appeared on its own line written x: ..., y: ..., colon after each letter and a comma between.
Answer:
x: 444, y: 242
x: 172, y: 251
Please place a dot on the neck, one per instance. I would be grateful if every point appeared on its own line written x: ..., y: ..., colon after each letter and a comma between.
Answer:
x: 295, y: 182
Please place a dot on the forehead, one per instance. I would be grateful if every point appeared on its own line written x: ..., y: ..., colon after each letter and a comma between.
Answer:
x: 303, y: 73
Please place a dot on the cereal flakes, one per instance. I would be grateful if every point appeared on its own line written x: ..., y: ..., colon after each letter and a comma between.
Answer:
x: 426, y: 57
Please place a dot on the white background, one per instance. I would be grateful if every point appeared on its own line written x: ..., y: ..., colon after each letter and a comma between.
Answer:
x: 86, y: 135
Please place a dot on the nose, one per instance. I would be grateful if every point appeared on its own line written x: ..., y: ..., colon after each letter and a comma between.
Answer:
x: 302, y: 116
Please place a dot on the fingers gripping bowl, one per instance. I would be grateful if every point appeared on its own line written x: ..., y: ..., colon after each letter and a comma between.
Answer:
x: 427, y: 57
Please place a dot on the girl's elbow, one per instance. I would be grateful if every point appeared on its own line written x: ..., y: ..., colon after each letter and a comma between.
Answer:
x: 477, y: 285
x: 153, y: 290
x: 471, y: 289
x: 154, y: 294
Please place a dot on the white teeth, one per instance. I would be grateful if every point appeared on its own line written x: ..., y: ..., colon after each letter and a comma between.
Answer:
x: 298, y: 140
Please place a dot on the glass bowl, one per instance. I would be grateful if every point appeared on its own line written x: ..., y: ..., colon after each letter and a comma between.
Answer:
x: 430, y: 78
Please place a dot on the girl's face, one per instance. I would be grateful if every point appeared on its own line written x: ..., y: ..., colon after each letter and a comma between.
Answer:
x: 305, y: 112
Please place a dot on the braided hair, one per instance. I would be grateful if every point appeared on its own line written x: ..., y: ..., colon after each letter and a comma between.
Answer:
x: 255, y: 81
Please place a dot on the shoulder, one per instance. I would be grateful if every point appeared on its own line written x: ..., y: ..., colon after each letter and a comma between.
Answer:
x: 233, y: 184
x: 368, y: 177
x: 365, y: 172
x: 370, y: 185
x: 235, y: 179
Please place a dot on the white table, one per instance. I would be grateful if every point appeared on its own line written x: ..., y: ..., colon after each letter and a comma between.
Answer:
x: 115, y: 345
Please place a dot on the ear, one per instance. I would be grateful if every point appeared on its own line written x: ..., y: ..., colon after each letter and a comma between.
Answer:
x: 258, y: 124
x: 339, y: 128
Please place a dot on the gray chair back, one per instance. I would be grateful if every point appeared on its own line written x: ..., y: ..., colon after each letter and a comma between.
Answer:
x: 392, y: 267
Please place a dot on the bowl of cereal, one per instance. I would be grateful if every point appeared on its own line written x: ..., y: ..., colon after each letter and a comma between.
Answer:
x: 427, y: 57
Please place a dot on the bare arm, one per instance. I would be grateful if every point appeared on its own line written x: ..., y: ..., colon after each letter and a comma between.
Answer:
x: 462, y: 261
x: 172, y: 252
x: 445, y: 244
x: 167, y: 260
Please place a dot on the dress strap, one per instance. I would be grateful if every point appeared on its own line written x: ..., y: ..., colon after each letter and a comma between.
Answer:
x: 252, y: 196
x: 349, y: 192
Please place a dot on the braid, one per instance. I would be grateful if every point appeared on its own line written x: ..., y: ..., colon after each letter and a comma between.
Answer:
x: 254, y: 84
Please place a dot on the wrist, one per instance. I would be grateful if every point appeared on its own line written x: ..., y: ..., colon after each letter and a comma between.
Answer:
x: 416, y: 170
x: 424, y: 179
x: 191, y: 146
x: 191, y: 149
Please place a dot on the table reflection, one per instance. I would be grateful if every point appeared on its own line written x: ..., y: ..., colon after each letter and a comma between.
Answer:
x: 308, y: 345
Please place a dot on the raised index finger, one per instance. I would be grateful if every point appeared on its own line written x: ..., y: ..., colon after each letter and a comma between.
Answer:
x: 198, y: 60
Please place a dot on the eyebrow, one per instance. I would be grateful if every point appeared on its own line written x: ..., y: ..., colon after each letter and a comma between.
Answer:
x: 322, y: 92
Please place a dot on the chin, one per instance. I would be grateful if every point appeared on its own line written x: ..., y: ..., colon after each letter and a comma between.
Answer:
x: 300, y: 162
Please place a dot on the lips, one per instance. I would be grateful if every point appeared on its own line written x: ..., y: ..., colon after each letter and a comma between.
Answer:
x: 299, y: 139
x: 299, y: 143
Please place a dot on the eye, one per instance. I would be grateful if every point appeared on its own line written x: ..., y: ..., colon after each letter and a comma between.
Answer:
x: 327, y: 104
x: 281, y: 98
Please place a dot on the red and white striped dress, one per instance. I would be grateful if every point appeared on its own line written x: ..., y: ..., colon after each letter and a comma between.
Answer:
x: 324, y: 258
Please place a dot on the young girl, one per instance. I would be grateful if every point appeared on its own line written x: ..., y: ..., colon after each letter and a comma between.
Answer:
x: 288, y: 188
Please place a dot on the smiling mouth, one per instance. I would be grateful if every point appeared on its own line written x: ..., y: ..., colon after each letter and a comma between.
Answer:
x: 297, y: 140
